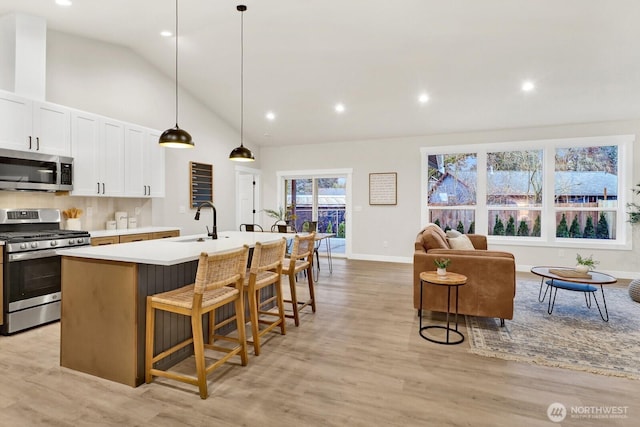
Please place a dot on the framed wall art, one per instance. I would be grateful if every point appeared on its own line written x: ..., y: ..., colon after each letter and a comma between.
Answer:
x: 383, y: 188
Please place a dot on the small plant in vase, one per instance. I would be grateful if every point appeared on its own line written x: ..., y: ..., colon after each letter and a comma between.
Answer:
x: 585, y: 264
x: 441, y: 265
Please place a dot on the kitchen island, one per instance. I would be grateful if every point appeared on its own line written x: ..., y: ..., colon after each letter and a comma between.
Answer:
x: 104, y: 290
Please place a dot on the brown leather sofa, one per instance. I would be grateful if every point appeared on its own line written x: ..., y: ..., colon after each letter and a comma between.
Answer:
x: 491, y: 275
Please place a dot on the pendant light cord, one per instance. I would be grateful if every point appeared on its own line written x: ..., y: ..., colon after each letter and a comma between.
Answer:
x: 176, y: 63
x: 242, y: 78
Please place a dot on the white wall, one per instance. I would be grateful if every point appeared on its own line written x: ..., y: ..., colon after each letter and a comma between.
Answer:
x: 398, y: 225
x: 114, y: 81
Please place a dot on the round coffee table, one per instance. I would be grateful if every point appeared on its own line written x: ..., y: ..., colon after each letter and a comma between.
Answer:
x: 450, y: 280
x: 568, y: 279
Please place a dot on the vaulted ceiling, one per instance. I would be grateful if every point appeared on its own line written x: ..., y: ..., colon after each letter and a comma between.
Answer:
x: 301, y: 57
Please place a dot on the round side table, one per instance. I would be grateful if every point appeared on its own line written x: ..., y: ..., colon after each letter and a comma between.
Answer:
x: 450, y: 280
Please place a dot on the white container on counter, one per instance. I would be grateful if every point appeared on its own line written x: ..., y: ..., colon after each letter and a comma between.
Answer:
x: 110, y: 225
x: 121, y: 220
x: 133, y: 223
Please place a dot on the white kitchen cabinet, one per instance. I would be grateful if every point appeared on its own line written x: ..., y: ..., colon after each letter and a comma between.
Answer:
x: 97, y: 147
x: 154, y: 165
x: 134, y: 161
x: 144, y: 163
x: 34, y: 126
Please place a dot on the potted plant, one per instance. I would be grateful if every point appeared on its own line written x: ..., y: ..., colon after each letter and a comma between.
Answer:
x: 72, y: 215
x: 586, y: 264
x: 280, y: 215
x: 441, y: 265
x: 634, y: 209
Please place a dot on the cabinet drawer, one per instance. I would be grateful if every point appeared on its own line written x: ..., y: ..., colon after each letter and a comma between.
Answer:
x: 107, y: 240
x: 134, y: 237
x: 165, y: 234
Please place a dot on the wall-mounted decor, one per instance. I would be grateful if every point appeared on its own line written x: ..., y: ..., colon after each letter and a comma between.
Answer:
x: 383, y: 188
x: 201, y: 183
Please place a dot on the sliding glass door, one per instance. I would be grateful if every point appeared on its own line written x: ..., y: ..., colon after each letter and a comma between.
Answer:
x: 321, y: 200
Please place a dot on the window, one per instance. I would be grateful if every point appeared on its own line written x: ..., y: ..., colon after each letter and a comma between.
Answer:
x: 569, y: 191
x: 514, y: 193
x: 586, y: 192
x: 452, y: 190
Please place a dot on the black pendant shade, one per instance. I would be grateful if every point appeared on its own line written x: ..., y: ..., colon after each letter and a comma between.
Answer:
x: 176, y: 137
x: 241, y: 153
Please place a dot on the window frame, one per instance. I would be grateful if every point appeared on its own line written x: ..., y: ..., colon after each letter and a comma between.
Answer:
x: 623, y: 240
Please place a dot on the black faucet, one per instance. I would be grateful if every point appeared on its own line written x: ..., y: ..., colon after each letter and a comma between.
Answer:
x: 214, y: 231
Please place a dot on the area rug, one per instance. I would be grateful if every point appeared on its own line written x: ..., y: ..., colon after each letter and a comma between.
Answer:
x: 572, y: 337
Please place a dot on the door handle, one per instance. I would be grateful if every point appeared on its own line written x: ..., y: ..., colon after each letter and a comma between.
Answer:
x: 29, y: 142
x: 37, y: 143
x: 98, y: 189
x: 103, y: 188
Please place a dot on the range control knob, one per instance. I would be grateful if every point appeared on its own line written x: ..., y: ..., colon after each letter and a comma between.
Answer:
x: 71, y: 241
x: 23, y: 246
x: 54, y: 243
x: 34, y: 244
x: 80, y: 240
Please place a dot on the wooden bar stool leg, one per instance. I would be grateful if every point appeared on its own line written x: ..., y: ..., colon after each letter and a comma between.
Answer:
x: 311, y: 290
x: 149, y: 334
x: 255, y: 329
x: 198, y: 350
x: 242, y: 337
x: 283, y: 329
x: 294, y: 299
x: 212, y: 326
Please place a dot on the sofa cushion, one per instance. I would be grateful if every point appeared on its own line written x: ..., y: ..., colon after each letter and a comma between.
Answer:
x: 451, y: 234
x: 434, y: 238
x: 461, y: 242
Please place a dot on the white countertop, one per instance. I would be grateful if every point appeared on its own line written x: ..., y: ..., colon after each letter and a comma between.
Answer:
x: 124, y: 231
x: 171, y: 251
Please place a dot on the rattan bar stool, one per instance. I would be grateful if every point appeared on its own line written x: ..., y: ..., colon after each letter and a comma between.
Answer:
x: 301, y: 259
x: 266, y: 270
x: 210, y: 291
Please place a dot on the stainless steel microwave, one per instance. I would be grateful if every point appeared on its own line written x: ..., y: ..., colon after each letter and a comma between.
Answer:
x: 26, y: 171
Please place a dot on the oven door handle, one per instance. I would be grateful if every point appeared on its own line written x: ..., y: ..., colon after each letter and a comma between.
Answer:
x: 23, y: 256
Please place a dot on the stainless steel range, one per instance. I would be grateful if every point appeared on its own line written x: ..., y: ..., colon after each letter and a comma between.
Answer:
x: 32, y: 267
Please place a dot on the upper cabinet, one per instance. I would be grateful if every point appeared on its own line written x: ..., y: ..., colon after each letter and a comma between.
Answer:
x: 111, y: 158
x: 98, y: 145
x: 144, y: 163
x: 34, y: 126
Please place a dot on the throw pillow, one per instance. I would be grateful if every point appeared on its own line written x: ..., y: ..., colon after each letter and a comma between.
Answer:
x: 461, y: 242
x: 452, y: 234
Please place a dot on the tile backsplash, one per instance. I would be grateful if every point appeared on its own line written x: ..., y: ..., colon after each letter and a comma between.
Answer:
x: 96, y: 211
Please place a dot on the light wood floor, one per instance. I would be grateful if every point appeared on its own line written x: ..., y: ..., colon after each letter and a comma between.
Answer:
x: 359, y: 361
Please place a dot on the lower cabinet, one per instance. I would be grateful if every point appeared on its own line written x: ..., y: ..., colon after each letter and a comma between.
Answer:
x: 165, y: 234
x: 126, y: 238
x: 108, y: 240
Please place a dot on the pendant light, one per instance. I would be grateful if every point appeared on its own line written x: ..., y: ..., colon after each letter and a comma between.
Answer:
x: 176, y: 137
x: 241, y: 153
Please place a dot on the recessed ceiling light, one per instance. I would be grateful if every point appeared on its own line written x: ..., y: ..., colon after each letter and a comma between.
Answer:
x: 528, y: 86
x: 423, y: 98
x: 166, y: 33
x: 65, y: 3
x: 271, y: 116
x: 339, y: 108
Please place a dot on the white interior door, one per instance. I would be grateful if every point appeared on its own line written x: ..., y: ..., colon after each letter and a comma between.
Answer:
x: 247, y: 199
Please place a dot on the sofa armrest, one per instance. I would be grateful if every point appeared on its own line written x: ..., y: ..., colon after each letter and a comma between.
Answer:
x: 479, y: 241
